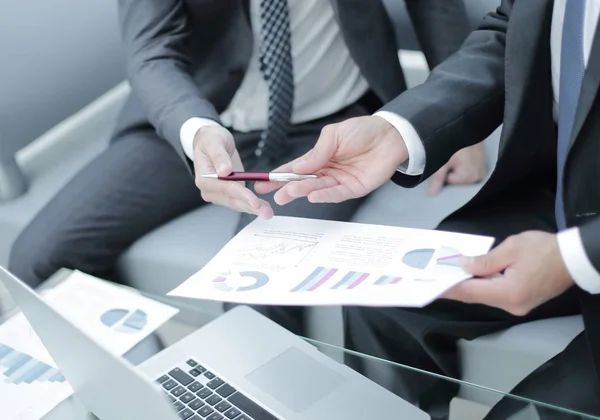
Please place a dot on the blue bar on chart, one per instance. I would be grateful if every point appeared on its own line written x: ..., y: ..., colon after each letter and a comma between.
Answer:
x: 351, y: 280
x: 315, y: 279
x: 22, y: 368
x: 386, y: 280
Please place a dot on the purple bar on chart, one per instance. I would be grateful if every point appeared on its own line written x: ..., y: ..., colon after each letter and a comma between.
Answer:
x: 347, y: 280
x: 383, y: 280
x: 362, y: 278
x: 386, y: 280
x: 322, y: 281
x: 450, y: 260
x: 309, y: 281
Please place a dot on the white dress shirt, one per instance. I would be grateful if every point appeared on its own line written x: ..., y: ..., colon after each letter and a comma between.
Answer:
x: 326, y: 78
x: 569, y: 241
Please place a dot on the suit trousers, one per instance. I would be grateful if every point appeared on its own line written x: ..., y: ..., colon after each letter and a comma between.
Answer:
x: 426, y: 338
x: 137, y: 184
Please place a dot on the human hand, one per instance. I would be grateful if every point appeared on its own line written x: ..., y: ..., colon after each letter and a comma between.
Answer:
x: 214, y: 151
x: 467, y: 166
x: 353, y: 158
x: 534, y: 272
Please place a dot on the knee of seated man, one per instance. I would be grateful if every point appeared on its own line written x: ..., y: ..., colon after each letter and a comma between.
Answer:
x: 36, y: 256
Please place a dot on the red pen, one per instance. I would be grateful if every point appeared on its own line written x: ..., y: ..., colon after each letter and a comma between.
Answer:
x: 261, y: 176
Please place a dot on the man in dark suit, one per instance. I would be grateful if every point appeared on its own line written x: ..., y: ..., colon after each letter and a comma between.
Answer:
x: 220, y: 86
x: 535, y: 67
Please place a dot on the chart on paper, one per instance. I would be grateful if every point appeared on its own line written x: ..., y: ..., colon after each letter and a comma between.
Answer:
x: 32, y: 386
x: 293, y: 261
x: 244, y: 281
x: 125, y: 321
x: 276, y: 251
x: 434, y: 258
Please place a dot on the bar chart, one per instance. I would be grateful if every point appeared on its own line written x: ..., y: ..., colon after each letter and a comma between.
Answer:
x: 351, y: 280
x: 315, y: 280
x: 387, y: 280
x: 20, y: 368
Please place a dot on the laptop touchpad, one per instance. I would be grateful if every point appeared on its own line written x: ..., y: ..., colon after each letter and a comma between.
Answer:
x: 296, y: 379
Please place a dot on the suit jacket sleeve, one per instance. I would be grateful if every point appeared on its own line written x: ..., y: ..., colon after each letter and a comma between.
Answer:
x: 462, y: 101
x: 155, y: 34
x: 428, y: 17
x: 591, y: 242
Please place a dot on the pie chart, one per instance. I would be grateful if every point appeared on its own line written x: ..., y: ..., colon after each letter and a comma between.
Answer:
x: 124, y: 320
x: 418, y: 258
x: 244, y: 282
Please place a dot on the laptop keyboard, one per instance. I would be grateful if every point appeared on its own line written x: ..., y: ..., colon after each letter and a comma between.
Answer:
x: 198, y: 394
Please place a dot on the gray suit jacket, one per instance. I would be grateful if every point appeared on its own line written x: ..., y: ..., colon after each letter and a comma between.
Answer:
x: 187, y: 58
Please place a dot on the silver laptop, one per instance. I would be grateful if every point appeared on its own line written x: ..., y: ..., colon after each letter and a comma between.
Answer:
x: 240, y: 366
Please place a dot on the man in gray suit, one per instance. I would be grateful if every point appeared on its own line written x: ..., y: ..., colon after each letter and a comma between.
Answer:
x: 221, y: 86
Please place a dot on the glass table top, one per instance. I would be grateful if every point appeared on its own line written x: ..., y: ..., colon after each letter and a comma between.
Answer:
x: 442, y: 396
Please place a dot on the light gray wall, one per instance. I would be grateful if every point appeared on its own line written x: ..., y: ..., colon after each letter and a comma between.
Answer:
x: 56, y: 56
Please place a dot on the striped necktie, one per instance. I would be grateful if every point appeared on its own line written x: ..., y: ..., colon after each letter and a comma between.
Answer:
x: 572, y: 68
x: 277, y: 68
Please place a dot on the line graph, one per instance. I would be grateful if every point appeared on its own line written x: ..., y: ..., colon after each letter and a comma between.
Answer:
x: 278, y: 251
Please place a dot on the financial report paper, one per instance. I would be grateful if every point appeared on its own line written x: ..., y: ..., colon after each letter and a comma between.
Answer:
x: 296, y: 261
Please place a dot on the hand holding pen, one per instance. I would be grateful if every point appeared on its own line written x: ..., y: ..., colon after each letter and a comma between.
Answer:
x: 260, y: 176
x: 216, y: 157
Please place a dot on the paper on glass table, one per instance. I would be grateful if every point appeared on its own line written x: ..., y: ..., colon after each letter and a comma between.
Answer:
x: 295, y: 261
x: 30, y: 383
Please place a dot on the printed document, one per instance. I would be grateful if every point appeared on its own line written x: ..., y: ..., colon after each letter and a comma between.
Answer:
x: 31, y: 384
x: 296, y: 261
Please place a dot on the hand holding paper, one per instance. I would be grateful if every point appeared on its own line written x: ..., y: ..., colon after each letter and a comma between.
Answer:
x: 525, y: 271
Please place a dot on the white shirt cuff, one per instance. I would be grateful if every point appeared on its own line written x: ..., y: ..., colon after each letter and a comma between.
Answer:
x: 415, y: 165
x: 576, y: 260
x: 188, y: 132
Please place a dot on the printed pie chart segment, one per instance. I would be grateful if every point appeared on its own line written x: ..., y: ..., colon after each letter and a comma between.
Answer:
x: 227, y: 284
x: 418, y: 258
x: 448, y: 257
x: 125, y: 321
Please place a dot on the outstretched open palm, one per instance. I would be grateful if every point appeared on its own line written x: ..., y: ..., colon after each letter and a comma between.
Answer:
x: 353, y: 158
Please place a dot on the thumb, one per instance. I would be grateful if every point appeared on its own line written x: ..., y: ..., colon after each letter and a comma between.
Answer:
x: 489, y: 264
x: 217, y: 153
x: 320, y: 155
x: 437, y: 180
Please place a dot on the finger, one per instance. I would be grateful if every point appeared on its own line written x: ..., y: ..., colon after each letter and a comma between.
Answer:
x: 239, y: 204
x: 216, y: 151
x: 267, y: 187
x: 219, y: 192
x: 438, y: 180
x: 264, y: 212
x: 489, y: 291
x: 335, y: 194
x: 319, y: 156
x: 497, y: 260
x: 458, y: 177
x: 235, y: 190
x: 297, y: 189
